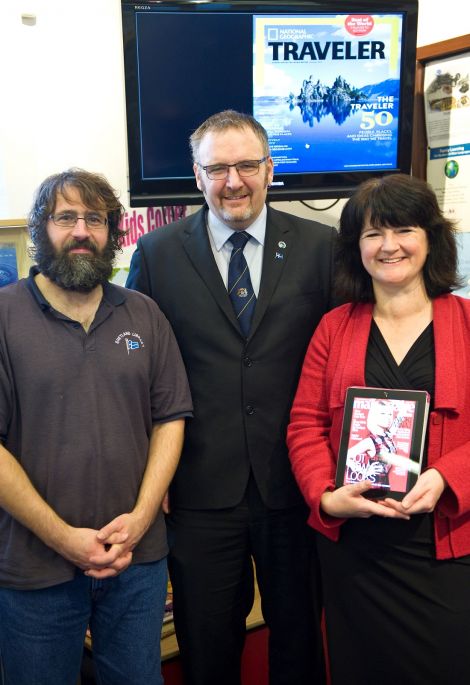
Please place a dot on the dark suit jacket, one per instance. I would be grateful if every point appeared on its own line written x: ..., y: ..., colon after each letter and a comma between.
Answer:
x: 242, y: 389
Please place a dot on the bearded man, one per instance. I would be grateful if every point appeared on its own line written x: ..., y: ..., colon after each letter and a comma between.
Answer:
x: 93, y: 397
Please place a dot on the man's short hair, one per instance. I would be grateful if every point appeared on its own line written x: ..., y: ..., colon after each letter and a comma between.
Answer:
x: 222, y: 121
x: 394, y: 200
x: 95, y: 192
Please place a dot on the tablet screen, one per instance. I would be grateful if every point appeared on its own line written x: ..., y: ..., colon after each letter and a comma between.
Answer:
x: 382, y: 439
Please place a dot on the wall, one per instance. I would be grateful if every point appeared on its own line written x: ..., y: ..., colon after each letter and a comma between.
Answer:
x: 62, y: 94
x: 440, y: 20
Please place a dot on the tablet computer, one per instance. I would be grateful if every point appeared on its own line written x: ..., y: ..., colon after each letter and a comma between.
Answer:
x: 382, y: 439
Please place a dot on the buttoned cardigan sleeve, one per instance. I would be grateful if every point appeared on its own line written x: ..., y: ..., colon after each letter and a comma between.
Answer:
x: 449, y: 429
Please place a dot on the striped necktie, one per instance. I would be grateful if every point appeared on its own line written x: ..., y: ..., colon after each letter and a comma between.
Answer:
x: 239, y: 287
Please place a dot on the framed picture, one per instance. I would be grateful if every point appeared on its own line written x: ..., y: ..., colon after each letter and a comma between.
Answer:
x: 14, y: 258
x: 427, y: 53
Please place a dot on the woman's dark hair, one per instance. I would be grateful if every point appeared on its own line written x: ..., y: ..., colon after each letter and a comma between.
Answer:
x: 395, y: 200
x: 95, y: 192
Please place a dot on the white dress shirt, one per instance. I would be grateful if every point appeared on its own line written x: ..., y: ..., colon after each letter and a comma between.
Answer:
x: 219, y: 234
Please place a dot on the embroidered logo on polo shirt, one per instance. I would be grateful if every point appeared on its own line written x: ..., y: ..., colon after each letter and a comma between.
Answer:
x: 132, y: 340
x: 132, y: 345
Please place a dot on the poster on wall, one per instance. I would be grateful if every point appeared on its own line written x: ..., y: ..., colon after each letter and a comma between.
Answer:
x: 136, y: 223
x: 463, y: 244
x: 324, y: 78
x: 447, y: 117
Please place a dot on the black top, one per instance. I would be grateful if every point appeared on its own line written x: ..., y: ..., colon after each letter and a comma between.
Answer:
x: 416, y: 371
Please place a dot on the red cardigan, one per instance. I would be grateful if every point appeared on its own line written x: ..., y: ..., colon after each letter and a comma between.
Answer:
x: 335, y: 360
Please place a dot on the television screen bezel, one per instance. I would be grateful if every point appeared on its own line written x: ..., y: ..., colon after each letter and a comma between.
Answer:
x: 303, y: 186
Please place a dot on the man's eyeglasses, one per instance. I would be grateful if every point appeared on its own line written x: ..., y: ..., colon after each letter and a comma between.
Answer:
x: 218, y: 172
x: 93, y: 220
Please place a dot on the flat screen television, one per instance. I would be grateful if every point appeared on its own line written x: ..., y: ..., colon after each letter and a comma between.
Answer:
x: 331, y: 81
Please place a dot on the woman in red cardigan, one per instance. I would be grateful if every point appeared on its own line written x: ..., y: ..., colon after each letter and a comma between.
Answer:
x: 396, y: 574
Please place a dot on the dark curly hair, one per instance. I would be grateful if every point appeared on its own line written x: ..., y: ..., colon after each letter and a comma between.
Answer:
x: 95, y: 192
x: 394, y: 200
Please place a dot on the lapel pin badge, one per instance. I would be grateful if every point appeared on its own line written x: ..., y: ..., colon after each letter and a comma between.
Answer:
x: 279, y: 255
x: 281, y: 244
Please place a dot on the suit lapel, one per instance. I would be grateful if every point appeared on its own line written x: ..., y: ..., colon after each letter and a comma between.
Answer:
x: 197, y: 246
x: 276, y: 251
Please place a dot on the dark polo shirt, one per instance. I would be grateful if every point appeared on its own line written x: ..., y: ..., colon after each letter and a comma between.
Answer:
x: 77, y: 410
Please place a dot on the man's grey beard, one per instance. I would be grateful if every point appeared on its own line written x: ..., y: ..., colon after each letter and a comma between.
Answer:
x: 77, y: 272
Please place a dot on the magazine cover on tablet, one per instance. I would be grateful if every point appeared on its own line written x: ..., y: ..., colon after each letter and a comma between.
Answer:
x: 382, y: 439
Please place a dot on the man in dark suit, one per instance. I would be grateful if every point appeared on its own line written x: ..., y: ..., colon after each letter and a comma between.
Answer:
x: 234, y: 498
